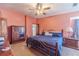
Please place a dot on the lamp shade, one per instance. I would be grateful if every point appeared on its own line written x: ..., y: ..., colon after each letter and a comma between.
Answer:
x: 69, y: 29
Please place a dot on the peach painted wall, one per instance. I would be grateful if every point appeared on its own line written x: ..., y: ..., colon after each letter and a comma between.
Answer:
x: 13, y: 18
x: 29, y: 22
x: 56, y: 22
x: 18, y: 19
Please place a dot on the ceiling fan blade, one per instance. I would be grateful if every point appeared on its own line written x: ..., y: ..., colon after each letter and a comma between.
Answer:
x: 44, y: 13
x: 31, y: 9
x: 36, y: 14
x: 46, y: 8
x: 39, y: 6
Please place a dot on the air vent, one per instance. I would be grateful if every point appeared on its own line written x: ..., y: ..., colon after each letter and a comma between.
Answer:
x: 75, y: 4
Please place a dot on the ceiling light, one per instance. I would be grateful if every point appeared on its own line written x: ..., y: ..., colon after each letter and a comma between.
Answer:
x: 40, y: 8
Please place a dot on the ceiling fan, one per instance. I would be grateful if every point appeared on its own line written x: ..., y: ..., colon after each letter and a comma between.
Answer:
x: 40, y: 9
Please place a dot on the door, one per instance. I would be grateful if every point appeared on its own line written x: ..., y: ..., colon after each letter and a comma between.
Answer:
x: 34, y: 29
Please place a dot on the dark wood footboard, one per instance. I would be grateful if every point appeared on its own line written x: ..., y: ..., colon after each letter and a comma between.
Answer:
x: 38, y: 45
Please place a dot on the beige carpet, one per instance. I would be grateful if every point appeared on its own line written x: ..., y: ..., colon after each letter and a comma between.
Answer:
x: 20, y: 49
x: 69, y: 52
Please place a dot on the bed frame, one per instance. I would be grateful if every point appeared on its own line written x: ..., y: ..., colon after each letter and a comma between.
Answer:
x: 44, y: 45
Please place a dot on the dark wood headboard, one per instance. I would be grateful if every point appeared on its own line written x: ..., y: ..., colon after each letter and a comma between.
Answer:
x: 51, y: 30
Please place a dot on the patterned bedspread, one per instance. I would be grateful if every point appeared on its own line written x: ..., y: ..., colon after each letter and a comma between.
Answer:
x: 50, y: 40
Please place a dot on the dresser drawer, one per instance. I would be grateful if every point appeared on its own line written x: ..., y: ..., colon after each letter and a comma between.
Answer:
x: 72, y: 43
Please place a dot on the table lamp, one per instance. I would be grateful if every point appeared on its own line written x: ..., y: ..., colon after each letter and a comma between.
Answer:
x: 69, y: 30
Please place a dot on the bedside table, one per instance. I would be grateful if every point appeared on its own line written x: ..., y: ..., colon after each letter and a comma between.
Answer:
x: 6, y: 53
x: 71, y: 43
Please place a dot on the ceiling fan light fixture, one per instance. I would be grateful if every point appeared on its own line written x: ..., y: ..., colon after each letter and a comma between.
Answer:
x: 39, y: 12
x: 40, y: 8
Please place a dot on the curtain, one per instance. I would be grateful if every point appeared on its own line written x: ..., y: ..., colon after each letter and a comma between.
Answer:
x: 76, y: 29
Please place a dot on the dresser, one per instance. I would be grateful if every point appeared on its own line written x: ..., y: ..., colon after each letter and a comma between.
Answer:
x: 71, y: 43
x: 16, y: 33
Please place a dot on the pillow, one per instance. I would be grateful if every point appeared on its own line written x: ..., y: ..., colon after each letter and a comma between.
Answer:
x: 57, y: 34
x: 47, y: 33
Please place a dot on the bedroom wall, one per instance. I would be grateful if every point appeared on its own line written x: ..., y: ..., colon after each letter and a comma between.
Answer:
x: 13, y: 18
x: 57, y: 22
x: 18, y: 19
x: 29, y: 22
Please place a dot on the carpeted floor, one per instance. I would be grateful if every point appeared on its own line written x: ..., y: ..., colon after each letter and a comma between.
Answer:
x: 20, y: 49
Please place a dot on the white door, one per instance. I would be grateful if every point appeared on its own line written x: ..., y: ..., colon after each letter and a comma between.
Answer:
x: 34, y: 29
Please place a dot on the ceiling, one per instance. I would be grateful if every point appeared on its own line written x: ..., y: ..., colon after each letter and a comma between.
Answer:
x: 29, y: 8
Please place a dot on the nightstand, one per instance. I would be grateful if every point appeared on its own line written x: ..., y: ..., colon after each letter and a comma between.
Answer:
x: 71, y: 42
x: 6, y: 53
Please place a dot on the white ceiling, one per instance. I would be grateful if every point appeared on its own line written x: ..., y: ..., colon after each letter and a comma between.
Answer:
x: 56, y: 8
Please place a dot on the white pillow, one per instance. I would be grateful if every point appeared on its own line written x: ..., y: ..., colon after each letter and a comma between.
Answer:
x: 47, y: 33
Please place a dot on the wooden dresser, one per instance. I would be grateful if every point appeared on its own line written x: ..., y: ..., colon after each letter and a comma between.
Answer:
x: 71, y: 43
x: 16, y: 33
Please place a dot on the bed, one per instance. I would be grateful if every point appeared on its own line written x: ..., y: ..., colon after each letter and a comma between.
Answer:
x: 48, y: 44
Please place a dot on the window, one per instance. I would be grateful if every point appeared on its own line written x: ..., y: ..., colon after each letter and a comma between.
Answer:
x: 76, y: 28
